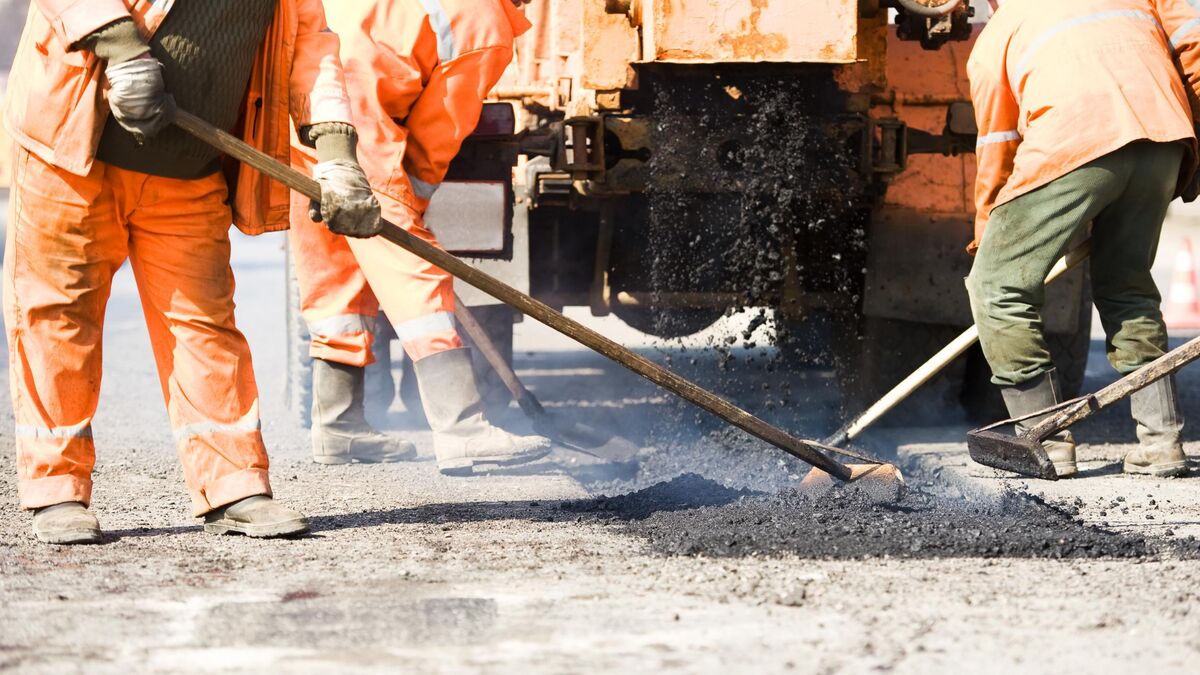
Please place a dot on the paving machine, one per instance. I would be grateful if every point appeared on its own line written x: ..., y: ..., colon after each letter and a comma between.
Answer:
x: 670, y: 162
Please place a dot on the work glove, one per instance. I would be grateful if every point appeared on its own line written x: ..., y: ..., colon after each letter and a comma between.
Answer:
x: 347, y: 206
x: 138, y: 98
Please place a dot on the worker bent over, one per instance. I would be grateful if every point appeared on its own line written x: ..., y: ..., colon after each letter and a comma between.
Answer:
x: 92, y: 189
x: 417, y: 74
x: 1083, y: 118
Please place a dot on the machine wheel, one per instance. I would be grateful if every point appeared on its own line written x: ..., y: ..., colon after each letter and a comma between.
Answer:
x: 668, y: 323
x: 881, y: 353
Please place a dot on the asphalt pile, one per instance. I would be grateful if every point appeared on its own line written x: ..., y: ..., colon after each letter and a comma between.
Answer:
x: 694, y: 516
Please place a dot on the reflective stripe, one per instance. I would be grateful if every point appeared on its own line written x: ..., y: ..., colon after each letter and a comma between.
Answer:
x: 1181, y: 32
x: 422, y: 189
x: 425, y: 325
x: 43, y: 433
x: 439, y: 21
x: 1053, y: 31
x: 998, y: 137
x: 342, y: 324
x: 243, y: 427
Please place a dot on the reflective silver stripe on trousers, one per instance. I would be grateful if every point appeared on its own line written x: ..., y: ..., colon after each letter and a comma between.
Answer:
x: 422, y: 189
x: 439, y: 21
x: 998, y: 137
x: 244, y: 427
x: 1052, y: 32
x: 425, y: 325
x: 46, y: 433
x: 1182, y: 31
x: 342, y: 324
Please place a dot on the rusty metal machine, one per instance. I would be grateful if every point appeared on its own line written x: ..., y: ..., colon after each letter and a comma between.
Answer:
x: 809, y: 160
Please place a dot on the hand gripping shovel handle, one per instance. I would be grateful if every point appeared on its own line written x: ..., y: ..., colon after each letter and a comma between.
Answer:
x: 800, y: 448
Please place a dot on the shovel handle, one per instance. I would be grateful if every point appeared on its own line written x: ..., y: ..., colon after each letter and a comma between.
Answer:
x: 496, y: 360
x: 1136, y: 381
x: 797, y: 447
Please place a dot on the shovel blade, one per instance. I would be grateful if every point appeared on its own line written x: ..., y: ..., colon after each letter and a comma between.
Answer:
x: 1010, y: 453
x: 585, y: 439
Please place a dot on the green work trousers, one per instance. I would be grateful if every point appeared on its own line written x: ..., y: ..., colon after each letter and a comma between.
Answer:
x: 1124, y: 195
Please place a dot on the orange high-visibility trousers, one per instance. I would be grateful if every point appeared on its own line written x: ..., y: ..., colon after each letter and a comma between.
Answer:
x: 344, y: 281
x: 67, y: 236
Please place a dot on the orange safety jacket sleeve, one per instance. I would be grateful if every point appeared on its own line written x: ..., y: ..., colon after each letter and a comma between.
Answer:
x: 317, y: 84
x: 446, y: 113
x: 997, y: 114
x: 1180, y: 20
x: 73, y: 20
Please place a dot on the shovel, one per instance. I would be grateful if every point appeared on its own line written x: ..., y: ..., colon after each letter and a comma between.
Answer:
x: 806, y: 450
x: 1023, y: 454
x: 574, y: 435
x: 939, y: 361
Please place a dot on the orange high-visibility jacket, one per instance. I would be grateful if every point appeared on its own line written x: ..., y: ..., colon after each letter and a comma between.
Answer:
x: 56, y: 107
x: 1059, y: 84
x: 418, y: 72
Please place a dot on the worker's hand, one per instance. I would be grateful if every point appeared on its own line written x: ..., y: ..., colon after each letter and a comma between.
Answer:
x: 347, y: 205
x: 138, y: 98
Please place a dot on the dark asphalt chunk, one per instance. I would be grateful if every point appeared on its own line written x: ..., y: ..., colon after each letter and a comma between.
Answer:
x: 693, y: 516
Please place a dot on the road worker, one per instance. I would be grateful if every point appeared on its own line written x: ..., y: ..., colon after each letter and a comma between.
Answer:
x: 417, y: 73
x: 1083, y: 118
x: 100, y: 178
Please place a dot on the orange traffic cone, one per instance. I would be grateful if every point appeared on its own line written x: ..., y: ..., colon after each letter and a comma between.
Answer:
x: 1182, y: 309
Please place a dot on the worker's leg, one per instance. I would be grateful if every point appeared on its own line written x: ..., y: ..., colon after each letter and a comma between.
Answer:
x: 179, y: 252
x: 64, y: 243
x: 418, y: 299
x: 340, y: 310
x: 1023, y: 240
x: 1125, y: 242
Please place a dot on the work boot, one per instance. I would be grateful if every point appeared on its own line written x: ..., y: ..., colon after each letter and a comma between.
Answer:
x: 462, y: 436
x: 1038, y: 394
x: 1159, y: 424
x: 257, y: 516
x: 66, y: 523
x: 340, y: 432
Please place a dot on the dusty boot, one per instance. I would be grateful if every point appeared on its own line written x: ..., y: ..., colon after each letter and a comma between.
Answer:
x: 462, y: 436
x: 340, y: 433
x: 258, y: 516
x: 1159, y: 424
x: 66, y: 523
x: 1038, y: 394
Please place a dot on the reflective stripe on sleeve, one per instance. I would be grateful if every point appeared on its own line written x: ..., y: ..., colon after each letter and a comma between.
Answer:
x: 439, y: 21
x: 998, y: 137
x: 44, y: 433
x: 420, y: 327
x: 1182, y: 32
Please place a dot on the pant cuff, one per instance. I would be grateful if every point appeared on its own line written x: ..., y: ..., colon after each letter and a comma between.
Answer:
x: 36, y: 493
x: 358, y: 357
x: 231, y: 488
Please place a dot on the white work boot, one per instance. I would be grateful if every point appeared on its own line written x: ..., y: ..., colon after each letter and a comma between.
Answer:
x: 340, y: 432
x: 1038, y: 394
x: 258, y: 516
x: 66, y: 523
x: 462, y: 436
x: 1159, y: 424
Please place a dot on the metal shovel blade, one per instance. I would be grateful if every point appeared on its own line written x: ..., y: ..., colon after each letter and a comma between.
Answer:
x: 583, y: 438
x: 1010, y: 453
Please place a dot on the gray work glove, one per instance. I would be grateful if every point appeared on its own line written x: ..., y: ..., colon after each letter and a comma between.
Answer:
x: 138, y: 98
x: 348, y: 206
